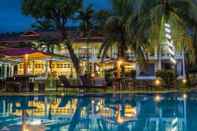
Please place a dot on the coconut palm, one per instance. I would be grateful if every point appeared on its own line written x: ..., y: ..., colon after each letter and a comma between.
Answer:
x: 86, y: 26
x: 59, y: 13
x: 179, y: 13
x: 100, y: 18
x: 123, y: 30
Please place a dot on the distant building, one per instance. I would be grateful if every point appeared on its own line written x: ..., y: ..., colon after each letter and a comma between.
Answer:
x: 61, y: 63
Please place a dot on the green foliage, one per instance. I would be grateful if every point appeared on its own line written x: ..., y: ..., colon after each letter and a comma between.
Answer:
x: 57, y: 11
x: 181, y: 14
x: 122, y: 29
x: 193, y: 69
x: 86, y: 20
x: 133, y: 74
x: 168, y: 76
x: 100, y: 17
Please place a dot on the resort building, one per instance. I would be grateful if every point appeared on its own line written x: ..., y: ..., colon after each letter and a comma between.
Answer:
x: 40, y: 63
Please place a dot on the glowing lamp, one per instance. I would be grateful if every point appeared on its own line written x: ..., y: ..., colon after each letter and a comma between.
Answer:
x: 26, y: 56
x: 184, y: 81
x: 120, y: 62
x: 157, y: 82
x: 93, y: 75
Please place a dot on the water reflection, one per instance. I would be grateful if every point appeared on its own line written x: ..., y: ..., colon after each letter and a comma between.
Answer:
x: 170, y: 112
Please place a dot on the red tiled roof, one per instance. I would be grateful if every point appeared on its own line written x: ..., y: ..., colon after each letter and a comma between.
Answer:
x: 13, y: 41
x: 18, y: 52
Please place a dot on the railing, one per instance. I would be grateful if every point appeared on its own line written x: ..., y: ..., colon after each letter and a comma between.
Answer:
x: 129, y: 55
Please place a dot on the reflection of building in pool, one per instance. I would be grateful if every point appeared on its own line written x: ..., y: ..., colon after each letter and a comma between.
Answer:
x: 168, y: 114
x: 40, y: 108
x: 137, y: 113
x: 192, y: 111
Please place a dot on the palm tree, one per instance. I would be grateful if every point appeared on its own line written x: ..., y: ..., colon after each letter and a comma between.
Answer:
x: 59, y: 13
x: 123, y: 30
x: 86, y: 27
x: 179, y: 13
x: 46, y: 43
x: 100, y: 18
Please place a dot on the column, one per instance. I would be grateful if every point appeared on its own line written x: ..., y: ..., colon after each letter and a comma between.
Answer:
x: 46, y: 68
x: 159, y: 56
x: 5, y: 71
x: 46, y: 110
x: 137, y: 70
x: 4, y: 107
x: 0, y: 70
x: 9, y: 69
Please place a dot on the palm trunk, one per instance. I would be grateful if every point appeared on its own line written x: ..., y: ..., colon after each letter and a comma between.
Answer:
x: 121, y: 56
x: 50, y: 66
x: 74, y: 58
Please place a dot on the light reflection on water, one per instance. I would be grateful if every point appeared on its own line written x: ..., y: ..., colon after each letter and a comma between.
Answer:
x: 170, y: 112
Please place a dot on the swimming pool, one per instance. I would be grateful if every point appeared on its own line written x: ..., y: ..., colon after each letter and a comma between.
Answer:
x: 129, y: 112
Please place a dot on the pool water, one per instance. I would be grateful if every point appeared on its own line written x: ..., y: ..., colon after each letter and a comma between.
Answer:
x: 129, y: 112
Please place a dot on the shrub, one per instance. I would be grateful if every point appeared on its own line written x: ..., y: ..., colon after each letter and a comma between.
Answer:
x: 133, y: 74
x: 193, y: 69
x: 168, y: 76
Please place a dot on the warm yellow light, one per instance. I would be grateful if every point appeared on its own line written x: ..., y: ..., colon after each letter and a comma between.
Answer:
x: 130, y: 111
x: 93, y: 75
x: 184, y: 96
x: 157, y: 98
x: 62, y: 94
x: 26, y: 56
x: 120, y: 61
x: 184, y: 81
x: 25, y: 127
x: 157, y: 82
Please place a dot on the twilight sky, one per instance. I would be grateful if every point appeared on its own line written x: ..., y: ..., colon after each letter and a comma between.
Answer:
x: 12, y: 20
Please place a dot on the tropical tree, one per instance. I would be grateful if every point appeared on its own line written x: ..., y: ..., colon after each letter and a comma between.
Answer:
x: 123, y: 30
x: 179, y: 13
x: 59, y: 13
x: 100, y: 18
x: 86, y: 26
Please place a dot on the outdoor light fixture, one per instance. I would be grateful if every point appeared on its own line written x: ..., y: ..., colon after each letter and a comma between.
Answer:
x: 93, y: 75
x: 184, y: 81
x: 120, y: 61
x: 26, y: 56
x: 157, y: 82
